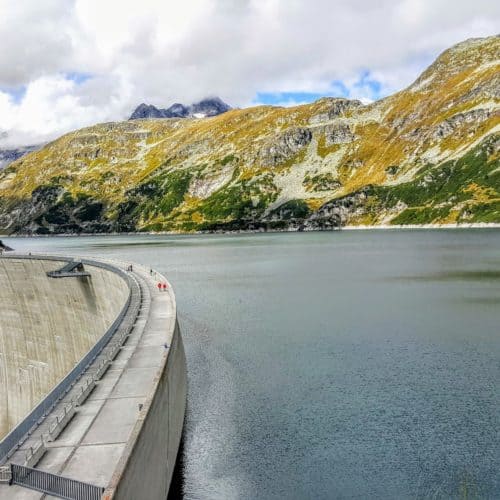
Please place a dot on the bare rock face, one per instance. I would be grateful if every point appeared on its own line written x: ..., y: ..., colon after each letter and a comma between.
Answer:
x: 350, y: 204
x: 285, y: 146
x: 338, y: 134
x: 486, y: 90
x: 338, y: 108
x: 41, y: 200
x: 447, y: 127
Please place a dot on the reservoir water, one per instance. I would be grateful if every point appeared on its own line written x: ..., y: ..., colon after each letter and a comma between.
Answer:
x: 353, y: 364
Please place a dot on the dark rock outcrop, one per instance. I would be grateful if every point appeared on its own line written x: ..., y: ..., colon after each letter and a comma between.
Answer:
x: 53, y: 210
x: 285, y: 146
x: 338, y: 108
x: 338, y: 133
x: 206, y: 107
x: 345, y: 206
x: 448, y: 126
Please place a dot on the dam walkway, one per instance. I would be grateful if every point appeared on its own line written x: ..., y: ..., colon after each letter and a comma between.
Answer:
x: 98, y: 442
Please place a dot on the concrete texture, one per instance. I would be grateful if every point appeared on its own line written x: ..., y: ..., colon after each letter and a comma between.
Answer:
x: 46, y: 326
x: 125, y: 436
x: 146, y: 467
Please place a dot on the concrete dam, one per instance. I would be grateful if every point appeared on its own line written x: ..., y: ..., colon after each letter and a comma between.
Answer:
x: 92, y: 380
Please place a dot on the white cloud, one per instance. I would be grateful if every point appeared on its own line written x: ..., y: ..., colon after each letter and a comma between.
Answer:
x: 53, y: 105
x: 162, y: 51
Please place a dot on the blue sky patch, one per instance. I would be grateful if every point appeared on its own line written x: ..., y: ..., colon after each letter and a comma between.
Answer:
x: 366, y: 86
x: 369, y: 84
x: 77, y: 77
x: 16, y: 93
x: 286, y: 97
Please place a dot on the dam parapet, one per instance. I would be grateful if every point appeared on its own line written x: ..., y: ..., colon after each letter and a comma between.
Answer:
x: 115, y: 418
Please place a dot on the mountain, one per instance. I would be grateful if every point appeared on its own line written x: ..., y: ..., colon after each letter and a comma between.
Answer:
x: 7, y: 156
x: 427, y: 154
x: 205, y: 108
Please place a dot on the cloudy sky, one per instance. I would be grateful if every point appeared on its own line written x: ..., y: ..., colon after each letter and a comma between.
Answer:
x: 65, y: 64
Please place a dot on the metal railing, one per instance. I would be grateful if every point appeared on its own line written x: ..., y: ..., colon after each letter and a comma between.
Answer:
x: 25, y: 428
x: 58, y: 486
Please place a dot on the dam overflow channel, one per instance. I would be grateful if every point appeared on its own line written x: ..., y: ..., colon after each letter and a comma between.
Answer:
x: 92, y: 379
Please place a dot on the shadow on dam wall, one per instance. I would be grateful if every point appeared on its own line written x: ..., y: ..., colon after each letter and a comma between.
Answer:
x: 47, y: 325
x: 88, y: 292
x: 176, y: 491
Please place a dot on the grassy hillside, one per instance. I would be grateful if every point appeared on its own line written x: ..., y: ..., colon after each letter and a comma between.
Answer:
x: 429, y: 153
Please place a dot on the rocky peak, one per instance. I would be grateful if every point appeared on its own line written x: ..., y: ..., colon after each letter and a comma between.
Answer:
x: 145, y: 111
x: 177, y: 110
x: 212, y: 106
x: 471, y: 53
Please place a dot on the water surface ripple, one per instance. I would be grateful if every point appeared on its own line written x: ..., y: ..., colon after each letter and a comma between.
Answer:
x: 333, y: 365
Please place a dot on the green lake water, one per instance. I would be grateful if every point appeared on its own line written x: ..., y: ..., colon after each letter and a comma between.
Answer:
x: 352, y: 364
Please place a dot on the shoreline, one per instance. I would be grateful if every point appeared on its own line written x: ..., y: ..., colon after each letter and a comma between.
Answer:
x: 472, y: 225
x: 475, y: 225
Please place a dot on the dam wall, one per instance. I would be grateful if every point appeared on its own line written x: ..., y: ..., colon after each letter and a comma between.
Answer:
x: 119, y: 424
x: 147, y: 466
x: 46, y: 326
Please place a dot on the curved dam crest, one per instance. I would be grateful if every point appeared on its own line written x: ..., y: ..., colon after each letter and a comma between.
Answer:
x: 116, y: 427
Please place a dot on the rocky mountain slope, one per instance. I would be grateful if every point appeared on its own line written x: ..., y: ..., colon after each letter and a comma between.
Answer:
x: 7, y: 156
x: 207, y: 107
x: 428, y: 154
